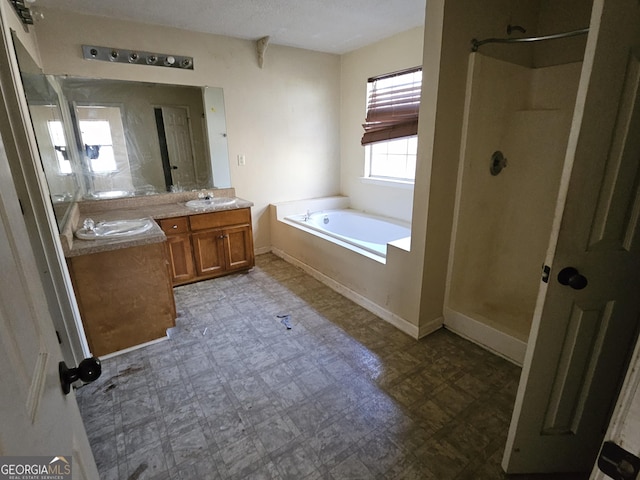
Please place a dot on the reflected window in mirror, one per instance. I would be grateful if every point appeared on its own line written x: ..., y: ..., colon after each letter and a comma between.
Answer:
x: 98, y: 145
x: 103, y: 138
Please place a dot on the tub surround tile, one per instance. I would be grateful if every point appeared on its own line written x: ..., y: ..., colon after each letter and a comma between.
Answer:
x: 341, y: 395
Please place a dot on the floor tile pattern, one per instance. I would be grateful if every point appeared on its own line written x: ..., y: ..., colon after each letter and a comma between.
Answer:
x: 235, y: 394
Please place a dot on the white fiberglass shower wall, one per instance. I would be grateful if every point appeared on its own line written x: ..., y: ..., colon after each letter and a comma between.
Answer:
x: 503, y: 220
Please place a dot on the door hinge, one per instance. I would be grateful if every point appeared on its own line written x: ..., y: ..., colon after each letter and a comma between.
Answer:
x: 618, y: 463
x: 546, y: 270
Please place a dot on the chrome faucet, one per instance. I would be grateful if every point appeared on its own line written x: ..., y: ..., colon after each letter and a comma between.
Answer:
x: 89, y: 225
x: 307, y: 216
x: 205, y: 195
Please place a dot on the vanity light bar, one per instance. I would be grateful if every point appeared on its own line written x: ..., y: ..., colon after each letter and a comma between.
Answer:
x: 23, y: 11
x: 118, y: 55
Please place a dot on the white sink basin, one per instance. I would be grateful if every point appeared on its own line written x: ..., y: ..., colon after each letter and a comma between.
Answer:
x: 210, y: 202
x: 113, y: 229
x: 109, y: 194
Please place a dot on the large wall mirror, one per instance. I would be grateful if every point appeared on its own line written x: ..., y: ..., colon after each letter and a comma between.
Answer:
x: 103, y: 139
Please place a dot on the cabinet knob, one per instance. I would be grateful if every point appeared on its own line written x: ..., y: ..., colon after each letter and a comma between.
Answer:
x: 174, y: 226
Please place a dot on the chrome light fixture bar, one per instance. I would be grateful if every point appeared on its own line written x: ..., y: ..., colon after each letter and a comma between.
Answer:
x: 23, y: 11
x: 136, y: 57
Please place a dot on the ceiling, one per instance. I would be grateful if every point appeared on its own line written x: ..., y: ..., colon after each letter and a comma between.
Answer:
x: 332, y: 26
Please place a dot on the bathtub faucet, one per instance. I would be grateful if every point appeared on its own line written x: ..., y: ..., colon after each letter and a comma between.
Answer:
x: 307, y: 216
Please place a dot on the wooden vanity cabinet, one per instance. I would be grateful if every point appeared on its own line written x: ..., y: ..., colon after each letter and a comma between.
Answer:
x: 218, y: 243
x: 125, y: 296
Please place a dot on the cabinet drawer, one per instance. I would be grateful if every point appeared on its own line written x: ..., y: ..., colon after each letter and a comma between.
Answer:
x: 220, y: 219
x: 174, y: 225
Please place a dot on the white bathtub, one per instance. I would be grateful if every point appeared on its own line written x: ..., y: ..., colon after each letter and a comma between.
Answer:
x: 359, y: 229
x: 385, y: 282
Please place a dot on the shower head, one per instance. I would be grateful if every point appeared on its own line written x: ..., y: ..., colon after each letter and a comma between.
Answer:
x: 518, y: 28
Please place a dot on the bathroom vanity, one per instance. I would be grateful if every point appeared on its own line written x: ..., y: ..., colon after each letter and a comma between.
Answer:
x: 124, y: 296
x: 124, y: 286
x: 208, y: 245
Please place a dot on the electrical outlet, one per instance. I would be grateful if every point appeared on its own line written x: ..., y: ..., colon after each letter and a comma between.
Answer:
x: 242, y: 161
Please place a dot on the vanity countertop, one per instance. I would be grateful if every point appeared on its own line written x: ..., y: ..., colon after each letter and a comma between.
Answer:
x: 156, y: 207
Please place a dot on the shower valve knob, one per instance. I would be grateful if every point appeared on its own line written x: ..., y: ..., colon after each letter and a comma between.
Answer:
x: 571, y: 277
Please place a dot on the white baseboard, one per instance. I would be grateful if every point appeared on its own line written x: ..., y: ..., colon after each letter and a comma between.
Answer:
x: 431, y: 327
x: 261, y: 250
x: 487, y: 337
x: 135, y: 347
x: 390, y: 317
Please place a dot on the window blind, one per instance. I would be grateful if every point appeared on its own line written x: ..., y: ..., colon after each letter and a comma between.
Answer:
x: 393, y: 106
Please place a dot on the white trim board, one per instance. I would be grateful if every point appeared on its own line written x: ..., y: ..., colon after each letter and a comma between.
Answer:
x: 487, y: 337
x: 386, y: 315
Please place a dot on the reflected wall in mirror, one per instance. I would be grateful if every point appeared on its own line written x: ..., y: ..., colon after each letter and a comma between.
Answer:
x: 109, y: 138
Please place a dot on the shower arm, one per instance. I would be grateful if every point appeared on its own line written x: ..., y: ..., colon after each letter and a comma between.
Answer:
x: 475, y: 44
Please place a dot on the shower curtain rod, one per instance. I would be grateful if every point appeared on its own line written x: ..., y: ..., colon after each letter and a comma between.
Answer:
x: 475, y: 44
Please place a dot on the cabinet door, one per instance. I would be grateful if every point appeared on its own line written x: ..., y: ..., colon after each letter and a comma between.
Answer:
x: 238, y: 244
x: 208, y: 251
x: 181, y: 258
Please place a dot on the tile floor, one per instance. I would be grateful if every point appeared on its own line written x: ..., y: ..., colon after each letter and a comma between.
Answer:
x: 234, y: 394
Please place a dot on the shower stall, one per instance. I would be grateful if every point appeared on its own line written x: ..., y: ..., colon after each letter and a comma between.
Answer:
x: 515, y: 133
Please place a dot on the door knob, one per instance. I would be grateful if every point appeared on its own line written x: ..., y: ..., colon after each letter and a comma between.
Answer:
x: 571, y: 277
x: 88, y: 370
x: 174, y: 167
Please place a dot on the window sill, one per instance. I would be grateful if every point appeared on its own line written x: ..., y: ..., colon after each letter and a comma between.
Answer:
x: 388, y: 183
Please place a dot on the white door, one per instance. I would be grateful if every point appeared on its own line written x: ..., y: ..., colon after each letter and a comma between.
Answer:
x: 36, y: 418
x: 581, y: 339
x: 177, y: 132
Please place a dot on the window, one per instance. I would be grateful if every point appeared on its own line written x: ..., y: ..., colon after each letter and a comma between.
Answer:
x: 390, y: 138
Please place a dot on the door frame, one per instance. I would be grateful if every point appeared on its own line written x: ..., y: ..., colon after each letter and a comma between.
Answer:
x: 33, y: 192
x: 622, y: 419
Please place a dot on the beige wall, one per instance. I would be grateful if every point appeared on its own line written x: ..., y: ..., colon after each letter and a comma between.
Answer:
x: 395, y: 53
x: 282, y: 117
x: 391, y: 289
x: 561, y: 16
